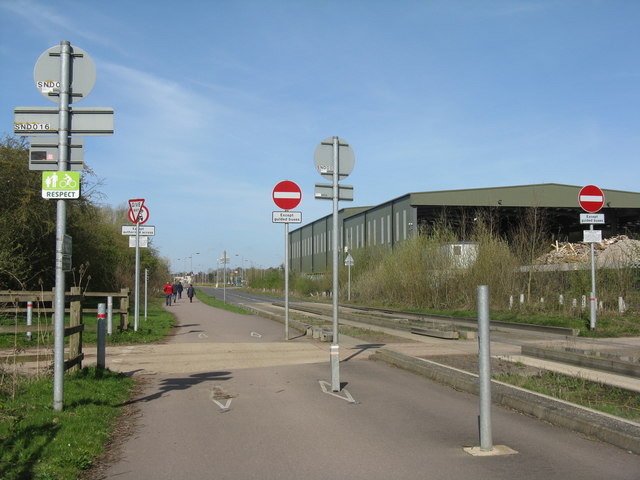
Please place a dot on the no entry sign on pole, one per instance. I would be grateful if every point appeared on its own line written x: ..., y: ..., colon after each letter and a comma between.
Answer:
x: 287, y: 195
x: 591, y: 198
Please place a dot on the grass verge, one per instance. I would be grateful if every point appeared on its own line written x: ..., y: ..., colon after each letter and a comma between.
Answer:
x: 214, y: 302
x: 39, y: 443
x: 156, y: 327
x: 612, y: 400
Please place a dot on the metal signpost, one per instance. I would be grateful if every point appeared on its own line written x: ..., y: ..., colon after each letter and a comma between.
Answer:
x: 286, y: 195
x: 334, y: 160
x: 591, y: 200
x: 348, y: 262
x: 63, y: 74
x: 224, y: 260
x: 138, y: 214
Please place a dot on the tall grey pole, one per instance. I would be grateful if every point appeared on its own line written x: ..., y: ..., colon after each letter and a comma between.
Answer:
x: 592, y: 298
x: 146, y: 297
x: 286, y: 281
x: 136, y: 308
x: 61, y: 227
x: 484, y: 371
x: 224, y: 277
x: 335, y: 348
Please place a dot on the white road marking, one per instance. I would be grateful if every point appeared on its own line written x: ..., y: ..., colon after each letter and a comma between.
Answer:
x: 203, y: 335
x: 226, y: 405
x: 256, y: 334
x: 326, y: 388
x: 218, y: 395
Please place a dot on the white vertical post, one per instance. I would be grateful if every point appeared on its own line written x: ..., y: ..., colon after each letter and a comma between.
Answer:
x: 484, y: 354
x: 102, y: 341
x: 29, y: 318
x: 109, y: 315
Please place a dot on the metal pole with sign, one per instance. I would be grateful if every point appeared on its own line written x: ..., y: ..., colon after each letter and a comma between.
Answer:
x: 286, y: 195
x: 334, y: 160
x: 591, y: 199
x: 63, y: 74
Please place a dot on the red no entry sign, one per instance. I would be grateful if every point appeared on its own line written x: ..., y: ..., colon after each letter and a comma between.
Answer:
x: 287, y: 195
x: 591, y: 198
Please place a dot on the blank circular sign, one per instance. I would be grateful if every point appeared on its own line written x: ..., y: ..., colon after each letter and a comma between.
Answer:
x: 323, y: 158
x: 47, y: 74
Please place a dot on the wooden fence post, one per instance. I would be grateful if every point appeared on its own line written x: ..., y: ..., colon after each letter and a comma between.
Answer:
x: 75, y: 340
x: 124, y: 307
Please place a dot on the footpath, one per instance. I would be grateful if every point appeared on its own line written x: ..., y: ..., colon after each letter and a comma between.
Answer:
x: 239, y: 408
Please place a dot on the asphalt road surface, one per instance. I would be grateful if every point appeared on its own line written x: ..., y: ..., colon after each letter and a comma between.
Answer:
x: 250, y: 412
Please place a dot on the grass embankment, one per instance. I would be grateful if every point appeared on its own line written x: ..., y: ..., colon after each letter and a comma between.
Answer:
x: 39, y: 443
x: 611, y: 400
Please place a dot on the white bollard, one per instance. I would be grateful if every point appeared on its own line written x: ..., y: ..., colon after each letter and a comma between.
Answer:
x: 29, y: 318
x: 109, y: 315
x: 510, y: 302
x: 561, y: 299
x: 622, y: 306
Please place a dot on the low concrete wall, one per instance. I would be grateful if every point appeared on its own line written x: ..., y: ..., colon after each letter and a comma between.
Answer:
x: 607, y: 428
x: 589, y: 361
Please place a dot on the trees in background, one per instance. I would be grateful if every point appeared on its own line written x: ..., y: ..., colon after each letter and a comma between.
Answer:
x: 102, y: 259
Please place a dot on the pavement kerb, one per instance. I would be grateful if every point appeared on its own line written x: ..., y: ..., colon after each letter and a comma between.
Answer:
x: 607, y: 428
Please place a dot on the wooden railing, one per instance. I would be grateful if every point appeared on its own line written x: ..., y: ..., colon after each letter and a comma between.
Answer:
x: 16, y: 302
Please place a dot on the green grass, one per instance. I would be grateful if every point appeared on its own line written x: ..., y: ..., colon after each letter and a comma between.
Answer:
x: 157, y: 326
x: 39, y: 443
x: 214, y: 302
x: 611, y: 400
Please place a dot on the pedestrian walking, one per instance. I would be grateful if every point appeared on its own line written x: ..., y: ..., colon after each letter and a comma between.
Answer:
x: 168, y: 291
x: 180, y: 290
x: 190, y: 293
x: 174, y: 288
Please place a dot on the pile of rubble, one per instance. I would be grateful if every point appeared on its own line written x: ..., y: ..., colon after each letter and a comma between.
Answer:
x: 611, y: 252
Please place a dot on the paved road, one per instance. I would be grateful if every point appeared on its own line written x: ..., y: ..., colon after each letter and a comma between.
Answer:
x: 256, y: 420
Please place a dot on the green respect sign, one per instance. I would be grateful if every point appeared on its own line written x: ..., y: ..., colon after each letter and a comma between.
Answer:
x: 60, y: 185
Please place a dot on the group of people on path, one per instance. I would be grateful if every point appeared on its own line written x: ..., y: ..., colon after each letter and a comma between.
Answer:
x: 175, y: 291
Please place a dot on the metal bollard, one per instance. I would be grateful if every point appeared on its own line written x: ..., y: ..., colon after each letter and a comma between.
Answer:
x: 102, y: 338
x: 109, y: 315
x: 484, y: 371
x: 29, y: 318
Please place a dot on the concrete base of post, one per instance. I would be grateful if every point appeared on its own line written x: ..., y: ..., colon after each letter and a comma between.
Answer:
x: 496, y: 450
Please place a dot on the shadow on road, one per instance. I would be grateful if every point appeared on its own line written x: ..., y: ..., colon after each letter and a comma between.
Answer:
x: 171, y: 384
x: 363, y: 348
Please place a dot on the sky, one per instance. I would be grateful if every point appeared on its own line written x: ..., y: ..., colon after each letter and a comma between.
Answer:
x: 218, y: 101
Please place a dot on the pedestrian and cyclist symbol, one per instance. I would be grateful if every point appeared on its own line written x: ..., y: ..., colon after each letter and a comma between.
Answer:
x: 60, y: 185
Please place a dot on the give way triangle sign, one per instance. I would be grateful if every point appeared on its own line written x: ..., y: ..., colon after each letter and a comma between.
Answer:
x: 135, y: 205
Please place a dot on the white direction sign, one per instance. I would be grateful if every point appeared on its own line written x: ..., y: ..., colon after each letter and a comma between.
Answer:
x: 91, y: 121
x: 143, y: 241
x: 60, y: 185
x: 145, y: 230
x: 286, y: 217
x: 592, y: 218
x: 592, y: 236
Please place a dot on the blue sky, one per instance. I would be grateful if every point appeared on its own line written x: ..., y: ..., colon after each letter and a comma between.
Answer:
x: 217, y: 101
